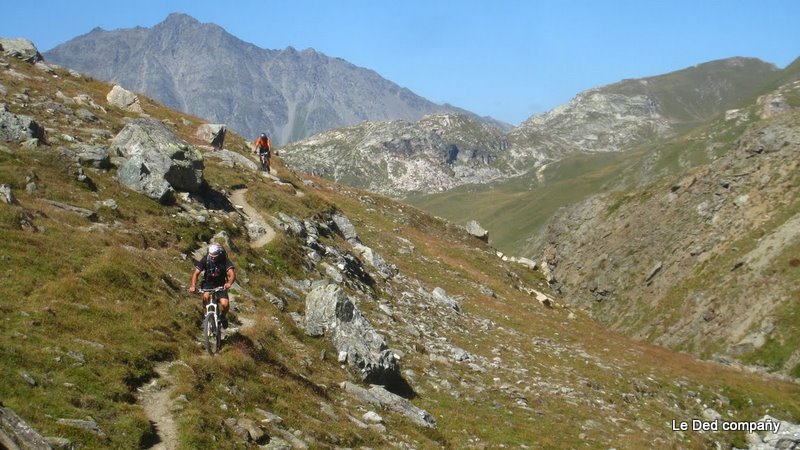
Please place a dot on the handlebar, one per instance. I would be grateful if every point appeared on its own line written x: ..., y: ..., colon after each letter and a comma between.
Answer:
x: 216, y: 289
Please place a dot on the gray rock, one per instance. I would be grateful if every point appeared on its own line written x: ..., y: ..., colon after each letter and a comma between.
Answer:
x: 330, y: 311
x: 19, y: 128
x: 122, y: 98
x: 7, y: 195
x: 441, y: 296
x: 344, y: 227
x: 94, y: 155
x: 291, y: 225
x: 86, y: 115
x: 15, y: 433
x: 27, y: 377
x: 87, y: 425
x: 158, y: 162
x: 379, y: 396
x: 787, y: 437
x: 108, y: 203
x: 59, y: 443
x: 475, y: 229
x: 233, y: 159
x: 375, y: 260
x: 653, y: 272
x: 86, y: 213
x: 21, y: 49
x: 276, y: 443
x: 212, y: 133
x: 372, y: 417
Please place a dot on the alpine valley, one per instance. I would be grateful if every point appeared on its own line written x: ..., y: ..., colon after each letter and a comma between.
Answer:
x: 658, y: 218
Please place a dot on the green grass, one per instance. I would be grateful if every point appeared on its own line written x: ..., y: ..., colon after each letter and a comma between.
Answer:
x: 516, y: 209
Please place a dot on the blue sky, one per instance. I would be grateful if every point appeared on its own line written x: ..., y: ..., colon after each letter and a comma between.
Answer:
x: 508, y: 59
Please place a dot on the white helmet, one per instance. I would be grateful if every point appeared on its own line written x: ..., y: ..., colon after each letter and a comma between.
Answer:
x: 214, y: 249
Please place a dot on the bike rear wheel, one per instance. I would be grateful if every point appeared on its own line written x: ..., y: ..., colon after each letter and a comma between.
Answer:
x: 212, y: 338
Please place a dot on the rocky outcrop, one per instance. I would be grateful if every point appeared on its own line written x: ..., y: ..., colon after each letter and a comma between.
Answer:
x: 233, y: 159
x: 21, y: 49
x: 379, y: 396
x: 212, y: 134
x: 19, y: 128
x: 329, y: 311
x: 475, y: 229
x: 787, y: 436
x: 157, y: 163
x: 122, y: 98
x: 16, y: 434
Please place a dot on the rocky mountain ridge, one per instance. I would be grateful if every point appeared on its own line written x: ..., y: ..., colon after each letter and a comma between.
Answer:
x: 608, y: 119
x: 481, y: 353
x: 203, y: 70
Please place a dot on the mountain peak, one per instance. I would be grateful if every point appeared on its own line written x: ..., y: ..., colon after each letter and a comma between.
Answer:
x: 191, y: 54
x: 179, y: 19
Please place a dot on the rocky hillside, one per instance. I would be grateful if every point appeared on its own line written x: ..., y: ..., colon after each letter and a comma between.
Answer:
x: 356, y: 321
x: 396, y: 158
x: 707, y: 261
x: 201, y: 69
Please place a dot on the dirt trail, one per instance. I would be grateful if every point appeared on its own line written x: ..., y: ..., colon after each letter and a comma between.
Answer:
x: 155, y: 399
x: 238, y: 199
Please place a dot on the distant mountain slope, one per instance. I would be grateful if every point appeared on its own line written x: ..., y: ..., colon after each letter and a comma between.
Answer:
x: 201, y: 69
x: 705, y: 259
x: 436, y: 153
x: 402, y: 158
x: 624, y: 114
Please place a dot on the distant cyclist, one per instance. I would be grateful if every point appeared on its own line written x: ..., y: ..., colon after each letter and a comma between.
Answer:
x: 263, y: 147
x: 217, y: 271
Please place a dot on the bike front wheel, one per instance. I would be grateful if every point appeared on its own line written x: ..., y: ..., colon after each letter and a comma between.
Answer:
x: 212, y: 338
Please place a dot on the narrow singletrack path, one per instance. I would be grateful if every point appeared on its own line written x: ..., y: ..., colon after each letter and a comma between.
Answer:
x: 239, y: 200
x: 155, y: 398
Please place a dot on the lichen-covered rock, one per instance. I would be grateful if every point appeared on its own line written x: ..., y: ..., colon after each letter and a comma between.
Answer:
x: 158, y: 162
x: 122, y: 98
x: 20, y: 48
x: 330, y: 312
x: 18, y: 127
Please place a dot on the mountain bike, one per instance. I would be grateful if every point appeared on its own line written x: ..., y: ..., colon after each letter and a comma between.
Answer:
x: 212, y: 327
x: 264, y: 158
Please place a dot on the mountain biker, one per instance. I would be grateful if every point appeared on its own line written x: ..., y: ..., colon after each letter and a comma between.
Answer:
x: 263, y: 147
x: 217, y: 271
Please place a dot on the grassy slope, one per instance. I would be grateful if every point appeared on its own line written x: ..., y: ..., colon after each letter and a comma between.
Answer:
x: 515, y: 209
x: 90, y: 309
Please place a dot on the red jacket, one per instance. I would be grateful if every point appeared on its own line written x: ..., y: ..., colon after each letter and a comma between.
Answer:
x: 262, y: 143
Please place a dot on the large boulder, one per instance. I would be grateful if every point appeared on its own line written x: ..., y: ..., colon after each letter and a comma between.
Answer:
x: 122, y: 98
x: 330, y: 311
x: 157, y: 161
x: 18, y: 128
x: 212, y: 133
x: 20, y: 48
